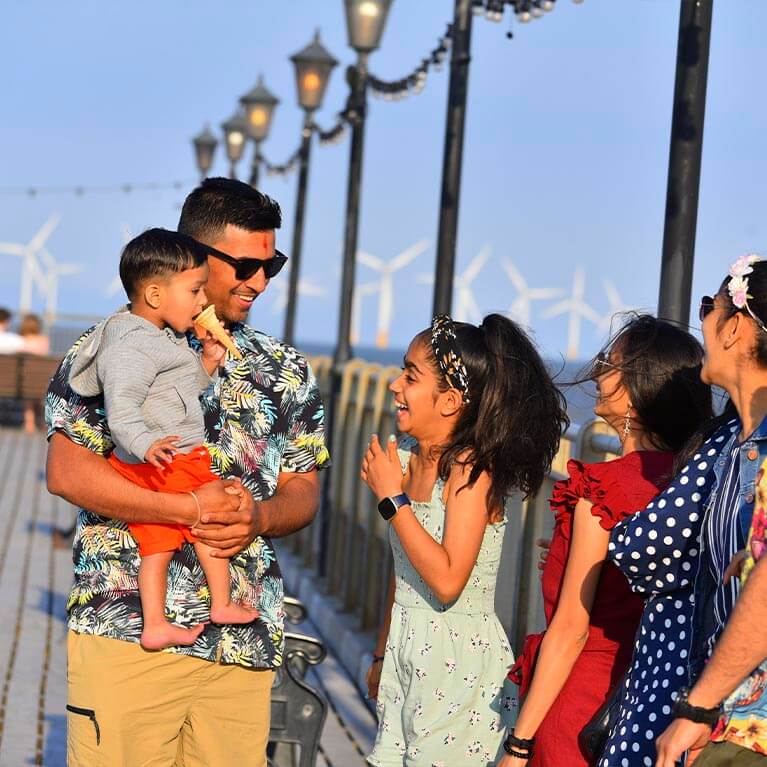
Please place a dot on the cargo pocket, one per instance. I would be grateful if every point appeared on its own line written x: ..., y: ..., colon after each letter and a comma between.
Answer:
x: 84, y: 726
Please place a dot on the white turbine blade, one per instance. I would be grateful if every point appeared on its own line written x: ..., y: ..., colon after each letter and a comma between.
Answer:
x: 408, y: 255
x: 544, y: 294
x: 44, y: 232
x: 470, y: 273
x: 64, y: 270
x: 612, y: 294
x: 561, y: 308
x: 371, y: 261
x: 515, y: 278
x: 12, y: 249
x: 310, y: 289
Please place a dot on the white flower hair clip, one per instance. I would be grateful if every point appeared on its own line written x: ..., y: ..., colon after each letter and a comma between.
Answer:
x: 737, y: 286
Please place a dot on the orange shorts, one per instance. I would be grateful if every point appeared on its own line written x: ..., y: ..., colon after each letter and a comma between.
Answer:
x: 186, y: 472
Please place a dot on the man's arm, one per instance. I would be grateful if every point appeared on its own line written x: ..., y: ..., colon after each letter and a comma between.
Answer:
x: 86, y: 479
x: 741, y: 648
x: 291, y: 508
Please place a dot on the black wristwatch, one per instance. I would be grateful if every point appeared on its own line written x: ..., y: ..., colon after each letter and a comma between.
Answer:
x: 388, y: 507
x: 684, y: 710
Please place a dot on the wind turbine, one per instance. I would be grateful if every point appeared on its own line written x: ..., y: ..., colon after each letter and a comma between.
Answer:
x: 617, y: 306
x: 577, y: 309
x: 386, y: 284
x: 305, y: 288
x: 116, y: 284
x: 54, y: 270
x: 467, y: 309
x: 31, y: 271
x: 521, y: 307
x: 360, y: 292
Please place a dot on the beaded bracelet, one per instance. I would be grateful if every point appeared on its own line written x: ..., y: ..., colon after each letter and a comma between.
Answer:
x: 512, y: 743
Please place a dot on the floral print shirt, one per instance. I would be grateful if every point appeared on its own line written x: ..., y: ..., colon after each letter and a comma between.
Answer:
x: 745, y: 712
x: 263, y: 416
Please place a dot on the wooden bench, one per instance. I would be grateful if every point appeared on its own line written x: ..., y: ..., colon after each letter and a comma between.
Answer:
x: 26, y: 376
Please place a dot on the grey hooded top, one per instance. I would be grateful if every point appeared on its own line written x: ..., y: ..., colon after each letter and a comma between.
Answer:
x: 151, y: 381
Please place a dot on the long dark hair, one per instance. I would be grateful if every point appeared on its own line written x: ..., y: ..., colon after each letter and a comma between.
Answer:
x: 515, y: 416
x: 660, y: 367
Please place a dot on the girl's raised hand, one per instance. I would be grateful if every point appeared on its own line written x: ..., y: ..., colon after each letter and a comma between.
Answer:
x: 381, y: 469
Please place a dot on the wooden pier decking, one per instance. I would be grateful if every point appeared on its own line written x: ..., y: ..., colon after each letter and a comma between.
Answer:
x: 35, y: 576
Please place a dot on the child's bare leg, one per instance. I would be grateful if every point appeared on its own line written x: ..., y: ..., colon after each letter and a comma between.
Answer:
x: 222, y: 609
x: 158, y: 631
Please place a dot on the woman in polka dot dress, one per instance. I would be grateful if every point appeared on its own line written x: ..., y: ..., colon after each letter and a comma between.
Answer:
x: 702, y: 525
x: 649, y: 390
x: 658, y: 551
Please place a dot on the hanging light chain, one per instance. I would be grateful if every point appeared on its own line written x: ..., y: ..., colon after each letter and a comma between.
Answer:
x: 415, y: 82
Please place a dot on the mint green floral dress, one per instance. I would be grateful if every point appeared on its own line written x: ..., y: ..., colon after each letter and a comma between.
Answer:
x: 443, y: 700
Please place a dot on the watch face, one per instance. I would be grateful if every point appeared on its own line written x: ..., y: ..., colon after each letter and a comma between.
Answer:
x: 387, y: 508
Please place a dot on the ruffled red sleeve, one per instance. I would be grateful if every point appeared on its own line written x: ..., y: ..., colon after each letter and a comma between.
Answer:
x: 599, y: 483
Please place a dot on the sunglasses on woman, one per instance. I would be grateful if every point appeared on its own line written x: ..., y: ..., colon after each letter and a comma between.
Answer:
x: 706, y: 307
x: 602, y: 364
x: 245, y: 268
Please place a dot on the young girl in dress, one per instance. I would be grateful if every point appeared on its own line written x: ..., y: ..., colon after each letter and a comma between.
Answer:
x: 482, y: 419
x: 650, y: 392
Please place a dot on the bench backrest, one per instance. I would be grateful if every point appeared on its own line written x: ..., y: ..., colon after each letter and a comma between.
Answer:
x: 26, y: 376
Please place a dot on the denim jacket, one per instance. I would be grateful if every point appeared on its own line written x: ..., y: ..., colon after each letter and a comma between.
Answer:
x: 708, y: 581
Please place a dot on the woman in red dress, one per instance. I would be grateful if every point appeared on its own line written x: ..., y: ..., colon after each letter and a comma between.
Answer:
x: 649, y: 391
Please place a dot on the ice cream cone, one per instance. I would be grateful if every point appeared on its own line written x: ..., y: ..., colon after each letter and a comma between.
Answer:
x: 207, y: 320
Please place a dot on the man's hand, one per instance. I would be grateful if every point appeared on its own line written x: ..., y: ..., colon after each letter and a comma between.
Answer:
x: 544, y: 544
x: 220, y: 497
x: 161, y: 451
x: 679, y: 736
x: 229, y: 531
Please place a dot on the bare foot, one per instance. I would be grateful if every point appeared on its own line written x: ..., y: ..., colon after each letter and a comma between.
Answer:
x: 232, y: 613
x: 162, y: 635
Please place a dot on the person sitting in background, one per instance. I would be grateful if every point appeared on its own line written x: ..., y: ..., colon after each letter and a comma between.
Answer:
x: 32, y: 336
x: 10, y: 343
x: 34, y: 341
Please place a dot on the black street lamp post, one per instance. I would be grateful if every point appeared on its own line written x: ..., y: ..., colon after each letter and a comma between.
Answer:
x: 235, y: 136
x: 259, y: 104
x: 313, y: 66
x: 205, y: 144
x: 365, y: 22
x: 453, y: 157
x: 685, y: 160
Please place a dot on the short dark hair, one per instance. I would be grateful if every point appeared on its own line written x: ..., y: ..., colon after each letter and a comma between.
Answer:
x: 660, y: 366
x: 221, y: 201
x: 5, y: 315
x: 158, y: 253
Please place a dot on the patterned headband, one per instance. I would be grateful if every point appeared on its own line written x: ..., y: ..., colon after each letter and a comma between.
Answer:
x: 737, y: 286
x: 445, y: 347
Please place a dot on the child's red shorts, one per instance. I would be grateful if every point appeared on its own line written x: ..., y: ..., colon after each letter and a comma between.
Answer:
x: 186, y: 472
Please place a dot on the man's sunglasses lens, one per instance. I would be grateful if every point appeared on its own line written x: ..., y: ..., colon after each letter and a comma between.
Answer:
x: 245, y: 268
x: 706, y: 307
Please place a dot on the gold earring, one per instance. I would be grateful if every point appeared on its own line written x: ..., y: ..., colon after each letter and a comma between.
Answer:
x: 627, y: 424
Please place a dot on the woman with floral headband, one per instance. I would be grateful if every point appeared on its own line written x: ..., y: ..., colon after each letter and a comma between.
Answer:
x: 482, y: 419
x: 649, y: 391
x: 717, y: 519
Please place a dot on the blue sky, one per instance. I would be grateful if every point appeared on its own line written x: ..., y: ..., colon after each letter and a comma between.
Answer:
x: 565, y: 160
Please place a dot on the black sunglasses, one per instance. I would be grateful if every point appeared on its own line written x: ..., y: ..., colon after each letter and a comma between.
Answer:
x: 706, y: 307
x: 602, y: 364
x: 245, y: 268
